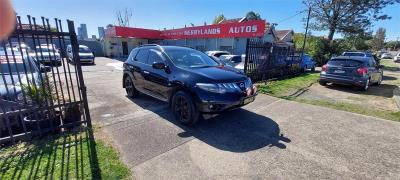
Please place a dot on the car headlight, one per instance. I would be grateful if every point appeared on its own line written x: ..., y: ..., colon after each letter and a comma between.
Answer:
x: 219, y: 88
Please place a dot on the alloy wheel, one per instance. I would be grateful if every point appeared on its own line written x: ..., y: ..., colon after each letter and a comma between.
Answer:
x: 182, y: 109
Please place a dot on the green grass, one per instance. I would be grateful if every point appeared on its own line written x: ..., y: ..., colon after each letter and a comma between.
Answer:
x: 389, y: 65
x: 281, y: 88
x: 68, y: 156
x: 284, y: 88
x: 359, y: 109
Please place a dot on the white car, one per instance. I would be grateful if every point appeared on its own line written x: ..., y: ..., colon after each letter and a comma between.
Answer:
x: 85, y: 54
x: 236, y: 61
x: 47, y: 54
x: 217, y: 53
x: 397, y: 58
x: 386, y: 56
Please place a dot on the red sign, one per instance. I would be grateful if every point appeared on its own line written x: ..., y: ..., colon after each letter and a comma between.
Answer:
x: 248, y: 29
x: 253, y: 28
x: 133, y: 32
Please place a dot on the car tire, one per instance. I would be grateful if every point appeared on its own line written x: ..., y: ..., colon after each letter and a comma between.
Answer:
x: 379, y: 82
x: 322, y: 83
x: 130, y: 89
x: 184, y: 108
x: 313, y: 69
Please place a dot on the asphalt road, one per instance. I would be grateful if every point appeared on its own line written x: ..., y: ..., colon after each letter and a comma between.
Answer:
x: 268, y: 139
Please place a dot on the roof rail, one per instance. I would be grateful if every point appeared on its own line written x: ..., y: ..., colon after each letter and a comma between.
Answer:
x: 155, y: 45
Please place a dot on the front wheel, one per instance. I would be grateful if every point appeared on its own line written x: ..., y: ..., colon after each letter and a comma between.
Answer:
x: 130, y: 88
x: 184, y: 108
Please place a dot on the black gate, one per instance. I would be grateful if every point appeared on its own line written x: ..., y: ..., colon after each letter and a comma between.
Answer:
x: 41, y: 91
x: 266, y: 60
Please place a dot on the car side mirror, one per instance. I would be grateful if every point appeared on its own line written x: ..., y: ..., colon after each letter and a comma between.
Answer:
x: 159, y: 65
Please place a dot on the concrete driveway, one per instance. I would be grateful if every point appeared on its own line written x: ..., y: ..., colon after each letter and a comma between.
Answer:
x: 268, y: 139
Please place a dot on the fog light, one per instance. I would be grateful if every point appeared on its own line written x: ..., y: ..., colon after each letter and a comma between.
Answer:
x: 211, y: 106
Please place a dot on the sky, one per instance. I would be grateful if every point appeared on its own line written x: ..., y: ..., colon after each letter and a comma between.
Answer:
x: 160, y: 14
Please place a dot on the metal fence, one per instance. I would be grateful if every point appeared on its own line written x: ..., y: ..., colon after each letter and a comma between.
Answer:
x: 41, y: 92
x: 265, y: 60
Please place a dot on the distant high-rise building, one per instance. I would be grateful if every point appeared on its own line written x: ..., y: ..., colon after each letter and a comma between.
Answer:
x: 79, y: 31
x: 101, y: 32
x: 82, y: 32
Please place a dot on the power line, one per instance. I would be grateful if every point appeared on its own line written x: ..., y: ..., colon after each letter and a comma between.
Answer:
x: 290, y: 17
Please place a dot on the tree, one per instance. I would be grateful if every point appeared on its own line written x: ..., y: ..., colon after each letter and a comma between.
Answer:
x: 346, y: 16
x: 378, y: 42
x: 124, y: 17
x: 219, y: 18
x: 253, y: 16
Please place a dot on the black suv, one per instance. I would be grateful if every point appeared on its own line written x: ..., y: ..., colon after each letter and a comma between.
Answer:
x: 190, y: 81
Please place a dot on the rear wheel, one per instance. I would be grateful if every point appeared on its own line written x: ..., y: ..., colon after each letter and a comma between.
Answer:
x: 322, y: 83
x: 130, y: 88
x: 184, y: 108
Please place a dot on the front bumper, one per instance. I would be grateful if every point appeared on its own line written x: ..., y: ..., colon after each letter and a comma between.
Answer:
x: 225, y: 102
x: 87, y: 60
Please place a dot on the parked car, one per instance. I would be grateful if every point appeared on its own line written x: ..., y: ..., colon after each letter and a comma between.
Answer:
x: 85, y: 54
x: 192, y: 82
x: 236, y: 61
x: 386, y: 56
x: 307, y: 62
x: 351, y: 70
x: 397, y: 58
x: 47, y: 55
x: 18, y: 46
x: 217, y: 53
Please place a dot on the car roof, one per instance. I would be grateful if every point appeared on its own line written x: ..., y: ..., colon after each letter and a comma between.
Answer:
x: 357, y: 58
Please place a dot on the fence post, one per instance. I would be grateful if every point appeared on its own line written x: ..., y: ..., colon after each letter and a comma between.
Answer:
x: 77, y: 62
x: 247, y: 55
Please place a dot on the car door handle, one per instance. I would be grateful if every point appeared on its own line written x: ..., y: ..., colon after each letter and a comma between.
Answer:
x: 146, y: 72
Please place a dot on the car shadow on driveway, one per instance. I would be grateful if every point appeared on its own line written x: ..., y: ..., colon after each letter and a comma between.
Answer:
x: 238, y: 130
x: 383, y: 90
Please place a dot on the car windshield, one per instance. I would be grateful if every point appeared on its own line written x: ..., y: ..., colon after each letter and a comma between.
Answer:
x: 344, y: 62
x: 84, y: 50
x: 189, y: 58
x: 353, y: 54
x: 17, y: 66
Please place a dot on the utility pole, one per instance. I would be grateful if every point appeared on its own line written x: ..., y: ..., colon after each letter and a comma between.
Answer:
x: 305, y: 34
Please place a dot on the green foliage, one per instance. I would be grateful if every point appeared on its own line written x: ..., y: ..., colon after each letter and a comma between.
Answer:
x: 394, y: 45
x: 39, y: 95
x: 251, y: 15
x: 219, y: 18
x: 378, y: 42
x: 322, y: 49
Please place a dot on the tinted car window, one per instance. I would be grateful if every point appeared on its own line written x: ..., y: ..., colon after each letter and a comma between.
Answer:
x: 132, y: 54
x: 344, y: 62
x: 142, y: 55
x: 353, y: 54
x: 372, y: 63
x: 190, y: 58
x: 155, y: 56
x: 237, y: 59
